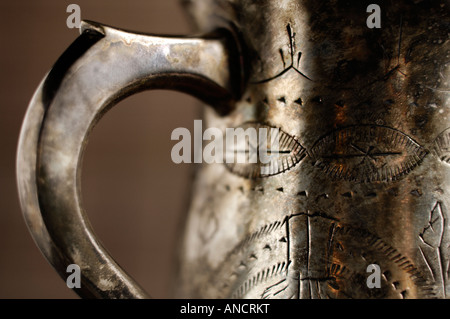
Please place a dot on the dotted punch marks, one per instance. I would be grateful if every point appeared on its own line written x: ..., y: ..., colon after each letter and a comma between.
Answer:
x: 367, y: 153
x: 280, y: 152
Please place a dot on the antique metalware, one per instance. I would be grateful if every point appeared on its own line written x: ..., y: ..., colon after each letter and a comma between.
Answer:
x: 363, y: 177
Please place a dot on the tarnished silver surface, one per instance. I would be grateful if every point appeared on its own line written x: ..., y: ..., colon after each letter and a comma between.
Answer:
x: 103, y: 66
x: 370, y: 107
x: 365, y: 178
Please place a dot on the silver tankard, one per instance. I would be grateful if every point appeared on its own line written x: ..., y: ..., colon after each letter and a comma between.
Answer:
x: 358, y: 185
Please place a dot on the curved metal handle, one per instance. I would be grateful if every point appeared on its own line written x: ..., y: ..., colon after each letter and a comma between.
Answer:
x: 103, y: 66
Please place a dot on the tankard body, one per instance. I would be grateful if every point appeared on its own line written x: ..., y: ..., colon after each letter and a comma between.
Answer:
x: 355, y: 202
x: 364, y: 179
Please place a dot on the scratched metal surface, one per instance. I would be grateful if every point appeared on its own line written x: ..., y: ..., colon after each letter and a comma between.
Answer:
x: 370, y: 109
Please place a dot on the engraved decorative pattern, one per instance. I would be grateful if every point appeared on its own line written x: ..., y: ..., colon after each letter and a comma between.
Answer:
x: 367, y: 153
x: 285, y: 156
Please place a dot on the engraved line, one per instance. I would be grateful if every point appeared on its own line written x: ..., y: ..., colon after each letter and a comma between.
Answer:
x: 427, y: 263
x: 400, y: 39
x: 317, y: 214
x: 441, y: 268
x: 362, y: 155
x: 310, y: 289
x: 308, y: 238
x: 291, y: 66
x: 330, y: 243
x: 288, y: 240
x: 260, y: 277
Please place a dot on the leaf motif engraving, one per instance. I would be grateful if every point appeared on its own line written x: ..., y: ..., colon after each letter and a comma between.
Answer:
x: 435, y: 255
x: 432, y: 234
x: 367, y: 153
x: 281, y: 150
x: 442, y: 146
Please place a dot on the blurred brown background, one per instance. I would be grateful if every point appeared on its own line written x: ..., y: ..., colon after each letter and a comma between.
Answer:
x: 134, y: 195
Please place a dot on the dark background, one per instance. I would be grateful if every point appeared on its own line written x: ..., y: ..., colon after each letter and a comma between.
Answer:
x: 134, y: 195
